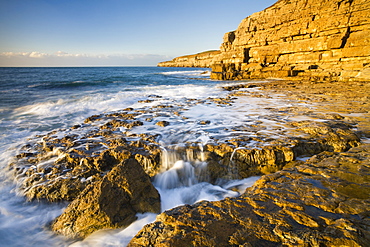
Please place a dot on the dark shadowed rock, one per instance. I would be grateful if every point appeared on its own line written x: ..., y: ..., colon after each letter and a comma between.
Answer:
x: 110, y: 203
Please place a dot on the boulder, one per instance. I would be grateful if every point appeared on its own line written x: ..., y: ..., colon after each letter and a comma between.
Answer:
x: 110, y: 203
x: 163, y: 123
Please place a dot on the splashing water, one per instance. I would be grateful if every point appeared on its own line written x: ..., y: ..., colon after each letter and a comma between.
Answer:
x: 177, y: 185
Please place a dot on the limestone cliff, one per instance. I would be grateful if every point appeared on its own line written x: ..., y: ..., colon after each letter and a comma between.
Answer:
x: 311, y: 39
x: 202, y: 60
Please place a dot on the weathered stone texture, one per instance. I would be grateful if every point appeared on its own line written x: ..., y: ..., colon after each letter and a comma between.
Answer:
x: 325, y: 40
x: 111, y: 202
x: 324, y: 202
x: 201, y: 60
x: 100, y: 165
x: 310, y: 39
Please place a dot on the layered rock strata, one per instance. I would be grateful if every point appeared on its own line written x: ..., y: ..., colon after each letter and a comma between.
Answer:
x: 202, y: 60
x: 324, y: 202
x: 310, y: 39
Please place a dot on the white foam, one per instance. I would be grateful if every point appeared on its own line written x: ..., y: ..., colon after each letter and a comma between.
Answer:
x: 170, y: 198
x: 120, y: 237
x: 22, y: 223
x: 177, y: 186
x: 365, y: 140
x: 187, y: 74
x: 180, y: 174
x: 241, y: 185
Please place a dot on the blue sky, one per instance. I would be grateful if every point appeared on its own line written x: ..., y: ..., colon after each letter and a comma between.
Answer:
x: 114, y: 32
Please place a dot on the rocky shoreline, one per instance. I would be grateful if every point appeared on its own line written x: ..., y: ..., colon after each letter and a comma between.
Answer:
x: 306, y: 135
x: 110, y: 153
x: 323, y: 201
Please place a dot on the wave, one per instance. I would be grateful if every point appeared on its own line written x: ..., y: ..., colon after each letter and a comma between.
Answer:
x: 71, y: 84
x: 188, y: 74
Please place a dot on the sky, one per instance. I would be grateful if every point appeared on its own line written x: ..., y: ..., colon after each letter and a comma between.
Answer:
x: 115, y: 32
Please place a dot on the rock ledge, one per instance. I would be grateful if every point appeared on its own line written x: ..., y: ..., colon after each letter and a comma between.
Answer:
x: 324, y: 202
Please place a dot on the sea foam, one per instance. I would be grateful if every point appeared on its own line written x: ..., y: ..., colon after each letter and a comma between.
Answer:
x: 202, y: 120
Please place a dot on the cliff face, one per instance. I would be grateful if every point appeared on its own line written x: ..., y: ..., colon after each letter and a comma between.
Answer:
x: 202, y: 60
x: 312, y: 39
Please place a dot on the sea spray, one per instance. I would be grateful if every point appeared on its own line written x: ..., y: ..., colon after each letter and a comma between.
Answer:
x: 179, y: 175
x: 232, y: 167
x: 181, y: 166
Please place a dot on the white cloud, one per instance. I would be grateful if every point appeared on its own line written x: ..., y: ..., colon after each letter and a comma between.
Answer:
x: 61, y: 58
x: 36, y: 54
x: 15, y: 54
x: 61, y: 53
x: 33, y: 54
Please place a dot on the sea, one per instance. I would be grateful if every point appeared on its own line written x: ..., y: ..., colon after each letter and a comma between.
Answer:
x: 36, y: 101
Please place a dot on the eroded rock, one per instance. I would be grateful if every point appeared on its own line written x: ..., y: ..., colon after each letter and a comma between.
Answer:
x: 310, y: 39
x: 73, y: 164
x: 59, y: 165
x: 324, y: 202
x: 109, y: 203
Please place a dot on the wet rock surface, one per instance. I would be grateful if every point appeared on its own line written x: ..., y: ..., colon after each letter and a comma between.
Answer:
x: 111, y: 202
x: 59, y: 165
x: 346, y: 102
x: 323, y: 202
x: 257, y: 128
